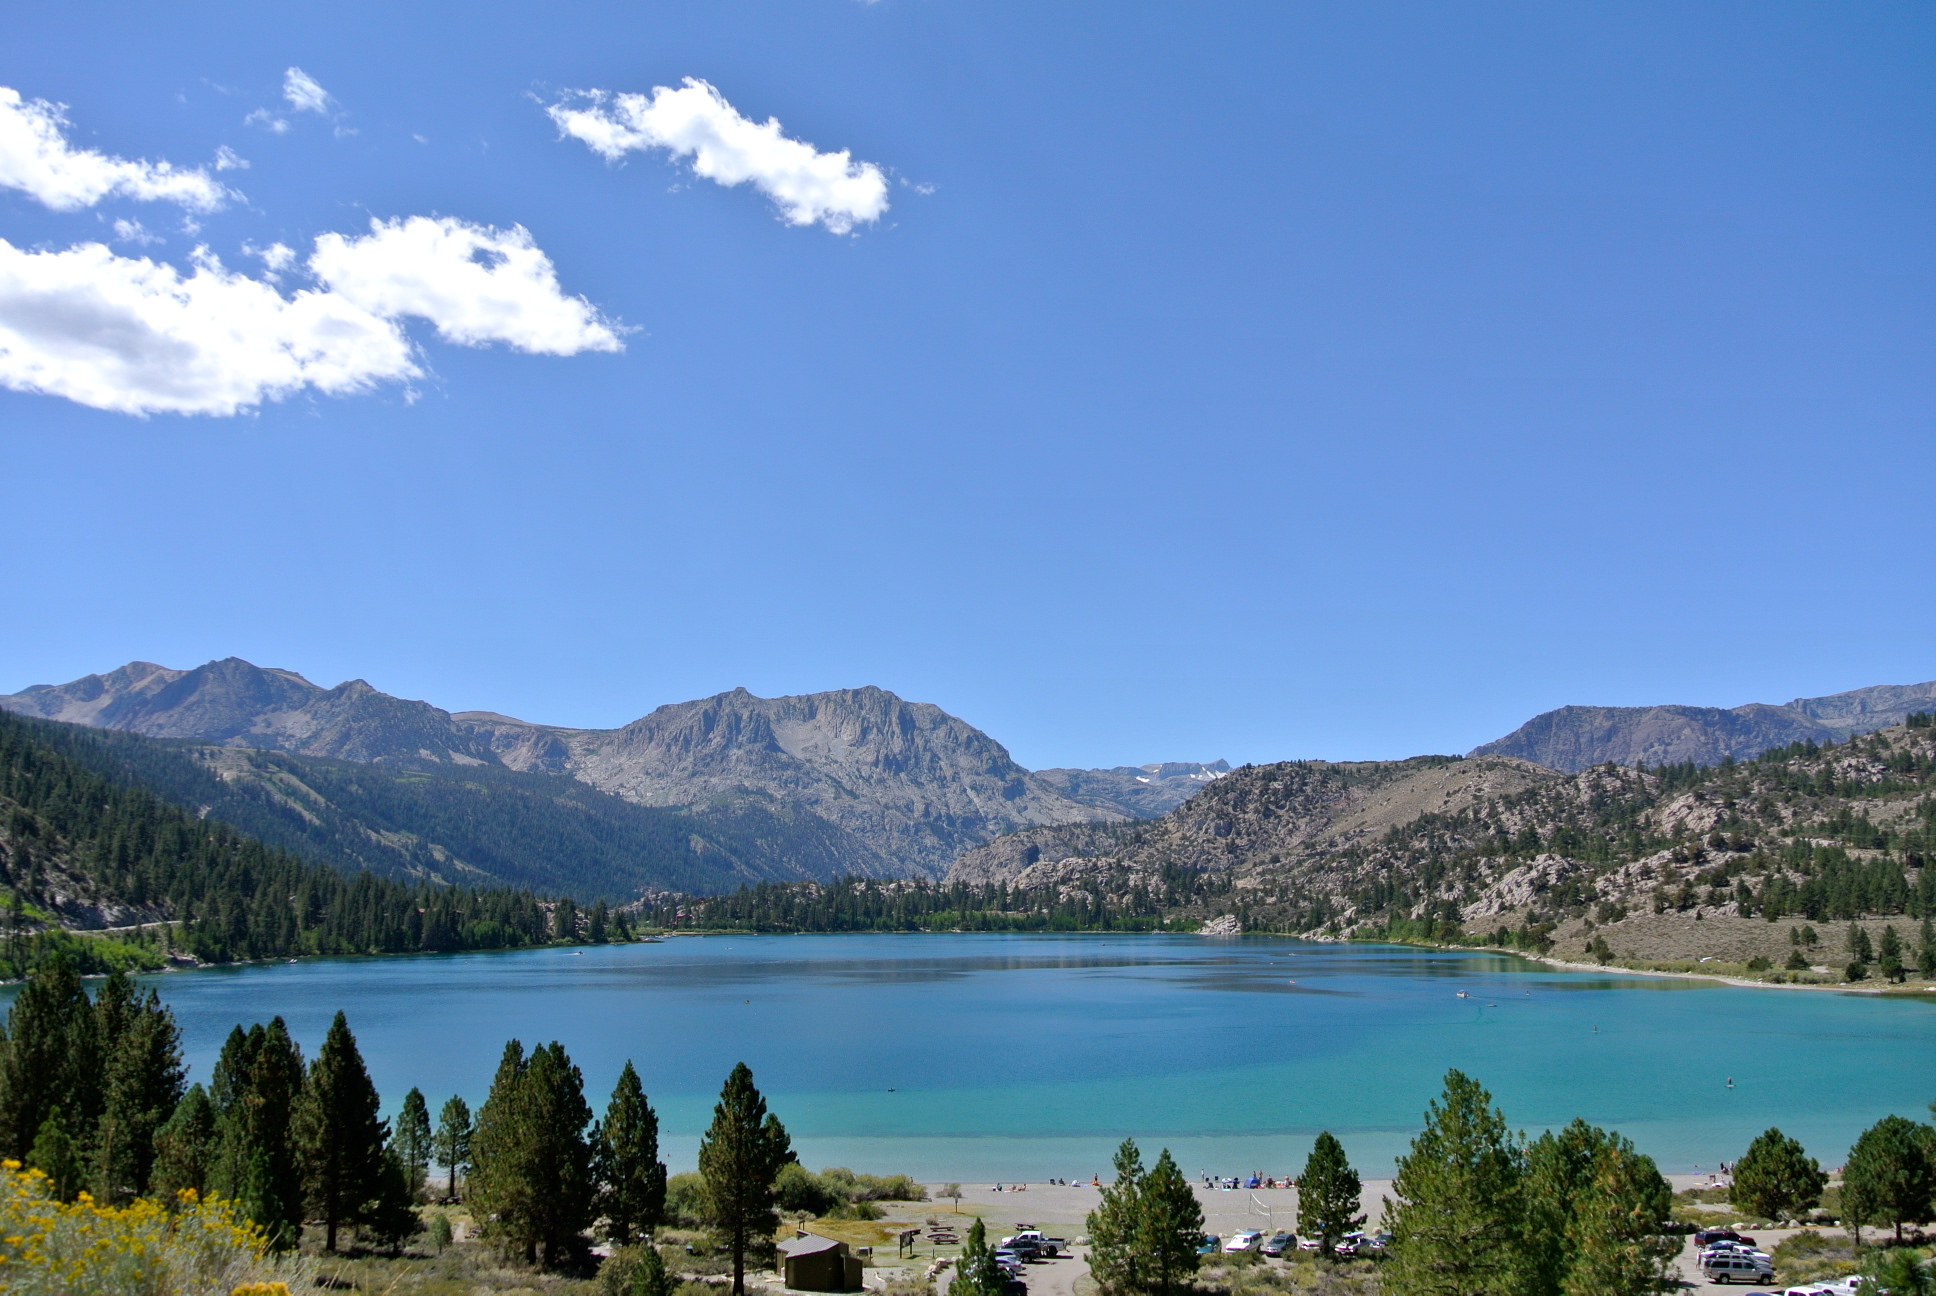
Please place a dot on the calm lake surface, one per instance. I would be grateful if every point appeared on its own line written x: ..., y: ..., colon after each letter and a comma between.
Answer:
x: 993, y: 1057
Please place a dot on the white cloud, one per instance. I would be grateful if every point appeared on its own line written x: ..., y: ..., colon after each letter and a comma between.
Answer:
x: 263, y: 117
x: 696, y: 122
x: 133, y: 231
x: 36, y: 159
x: 226, y: 159
x: 138, y: 337
x: 476, y: 284
x: 303, y: 93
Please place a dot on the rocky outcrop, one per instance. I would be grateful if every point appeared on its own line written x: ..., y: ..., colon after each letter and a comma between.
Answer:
x: 1573, y: 738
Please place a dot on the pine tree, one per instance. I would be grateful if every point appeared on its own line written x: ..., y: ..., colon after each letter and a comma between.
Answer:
x: 452, y: 1143
x: 649, y: 1276
x: 256, y: 1086
x: 1776, y: 1178
x: 531, y: 1165
x: 1614, y: 1240
x: 413, y: 1140
x: 632, y: 1179
x: 1459, y: 1208
x: 1170, y: 1228
x: 1860, y: 949
x: 56, y: 1155
x: 142, y: 1084
x: 338, y: 1133
x: 739, y: 1157
x: 1889, y: 1177
x: 1116, y: 1258
x: 185, y: 1147
x: 1327, y: 1194
x: 976, y: 1273
x: 49, y: 1054
x: 1889, y: 955
x: 498, y: 1188
x: 389, y: 1217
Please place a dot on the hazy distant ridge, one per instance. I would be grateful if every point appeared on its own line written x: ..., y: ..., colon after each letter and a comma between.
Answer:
x: 1574, y: 738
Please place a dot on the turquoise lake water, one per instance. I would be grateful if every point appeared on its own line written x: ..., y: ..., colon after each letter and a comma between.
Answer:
x: 993, y: 1057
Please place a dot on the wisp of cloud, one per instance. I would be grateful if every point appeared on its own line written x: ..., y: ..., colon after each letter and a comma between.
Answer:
x: 695, y: 121
x: 36, y: 159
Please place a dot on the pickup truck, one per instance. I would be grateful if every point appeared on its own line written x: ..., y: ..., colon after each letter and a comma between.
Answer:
x: 1035, y: 1245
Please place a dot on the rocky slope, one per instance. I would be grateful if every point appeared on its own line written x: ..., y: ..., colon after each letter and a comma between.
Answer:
x: 1139, y: 791
x: 891, y: 785
x: 1673, y: 859
x: 1573, y: 738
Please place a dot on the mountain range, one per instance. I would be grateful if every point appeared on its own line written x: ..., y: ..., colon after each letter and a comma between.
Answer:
x: 849, y: 781
x: 1574, y: 738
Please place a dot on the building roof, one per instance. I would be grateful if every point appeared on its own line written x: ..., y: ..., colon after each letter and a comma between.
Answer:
x: 811, y: 1245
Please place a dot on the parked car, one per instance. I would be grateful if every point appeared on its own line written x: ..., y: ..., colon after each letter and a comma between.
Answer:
x: 1378, y: 1241
x: 1706, y: 1236
x: 1310, y: 1244
x: 1210, y: 1245
x: 1248, y: 1240
x: 1349, y: 1244
x: 1737, y: 1268
x: 1279, y: 1244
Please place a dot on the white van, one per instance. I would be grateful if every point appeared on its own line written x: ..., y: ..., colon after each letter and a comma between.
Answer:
x: 1737, y: 1268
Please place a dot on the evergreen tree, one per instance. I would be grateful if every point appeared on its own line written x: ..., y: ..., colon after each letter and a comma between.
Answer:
x: 55, y: 1155
x: 338, y: 1133
x: 498, y: 1188
x: 1459, y: 1208
x: 1614, y: 1240
x: 452, y: 1142
x: 256, y: 1087
x: 1559, y: 1173
x: 1776, y: 1178
x: 1170, y: 1228
x: 1116, y: 1258
x: 976, y: 1273
x: 49, y: 1055
x: 1860, y: 949
x: 1889, y: 1177
x: 1889, y: 955
x: 531, y: 1165
x: 389, y: 1218
x: 649, y: 1276
x: 413, y: 1140
x: 632, y: 1179
x: 142, y: 1084
x: 1327, y: 1194
x: 185, y: 1147
x: 739, y: 1157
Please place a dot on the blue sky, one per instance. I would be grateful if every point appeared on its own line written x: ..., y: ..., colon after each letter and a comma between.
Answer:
x: 1253, y: 381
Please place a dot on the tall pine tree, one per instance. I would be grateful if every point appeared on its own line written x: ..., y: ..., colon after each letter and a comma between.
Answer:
x: 142, y: 1080
x: 49, y: 1055
x: 413, y: 1140
x: 631, y: 1178
x: 1170, y: 1227
x: 452, y: 1143
x: 1457, y: 1221
x: 739, y: 1157
x: 256, y: 1086
x: 338, y: 1133
x: 1327, y: 1194
x: 1776, y: 1178
x: 185, y: 1147
x: 531, y: 1171
x: 1116, y: 1256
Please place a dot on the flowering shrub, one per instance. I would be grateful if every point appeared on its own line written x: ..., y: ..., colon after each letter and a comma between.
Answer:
x: 84, y: 1248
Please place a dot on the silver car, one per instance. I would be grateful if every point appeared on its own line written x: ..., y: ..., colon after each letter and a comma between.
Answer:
x: 1737, y: 1268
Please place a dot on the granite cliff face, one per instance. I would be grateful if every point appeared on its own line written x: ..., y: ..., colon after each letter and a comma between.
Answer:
x: 906, y: 777
x: 1574, y: 738
x: 904, y: 785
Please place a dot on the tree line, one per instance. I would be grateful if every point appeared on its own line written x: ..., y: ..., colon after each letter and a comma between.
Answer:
x: 65, y: 827
x: 916, y: 904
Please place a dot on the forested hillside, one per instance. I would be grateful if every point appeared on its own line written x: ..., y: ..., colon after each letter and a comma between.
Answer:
x: 82, y: 848
x: 477, y: 825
